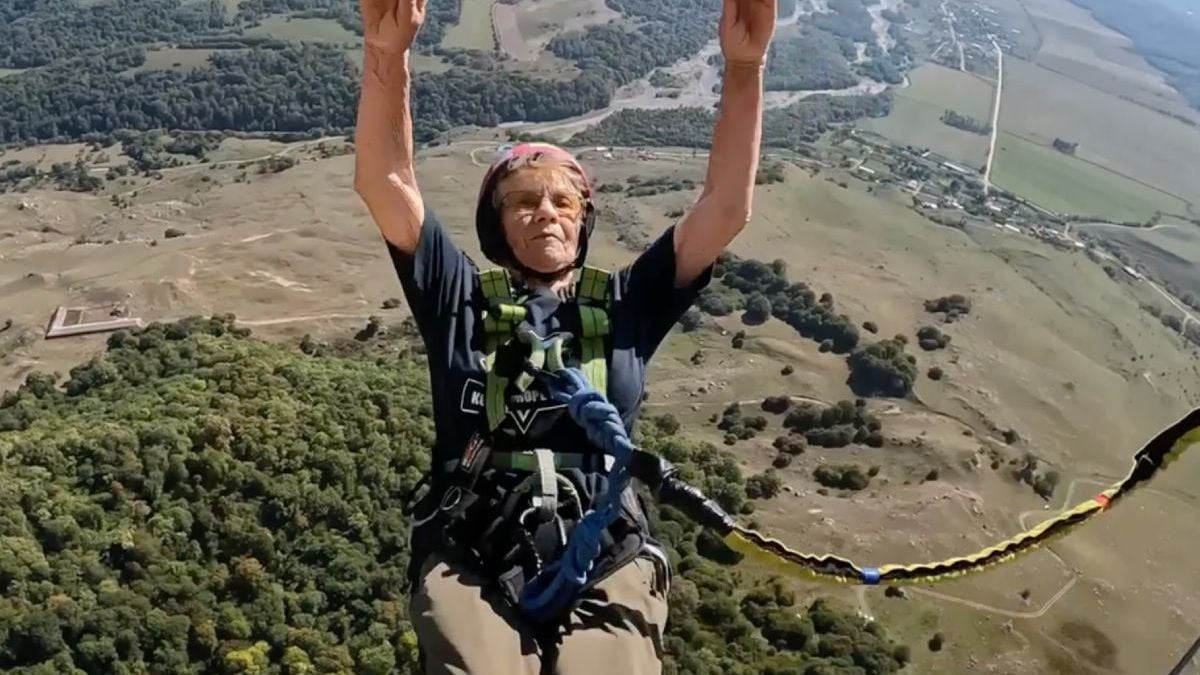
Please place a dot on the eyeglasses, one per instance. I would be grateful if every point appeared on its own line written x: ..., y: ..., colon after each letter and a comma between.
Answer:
x: 526, y: 202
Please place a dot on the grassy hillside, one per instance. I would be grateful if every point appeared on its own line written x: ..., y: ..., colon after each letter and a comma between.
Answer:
x: 195, y: 500
x: 1052, y: 348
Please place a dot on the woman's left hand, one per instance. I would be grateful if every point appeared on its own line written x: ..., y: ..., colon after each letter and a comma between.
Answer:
x: 746, y: 30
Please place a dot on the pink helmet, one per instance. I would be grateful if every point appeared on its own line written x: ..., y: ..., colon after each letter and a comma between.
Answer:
x: 487, y: 217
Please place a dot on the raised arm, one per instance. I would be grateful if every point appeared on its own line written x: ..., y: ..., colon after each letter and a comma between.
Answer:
x: 723, y: 208
x: 383, y: 139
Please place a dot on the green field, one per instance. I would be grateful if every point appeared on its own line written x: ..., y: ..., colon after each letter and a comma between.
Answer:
x: 174, y: 59
x: 916, y: 114
x: 304, y: 30
x: 547, y: 19
x: 1064, y: 184
x: 1122, y: 136
x: 474, y: 28
x: 5, y: 72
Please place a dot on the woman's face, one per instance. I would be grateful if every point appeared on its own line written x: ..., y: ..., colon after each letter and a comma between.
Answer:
x: 541, y: 211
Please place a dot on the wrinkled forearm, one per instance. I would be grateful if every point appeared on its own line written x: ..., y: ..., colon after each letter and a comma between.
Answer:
x: 384, y: 175
x: 724, y: 205
x: 737, y: 137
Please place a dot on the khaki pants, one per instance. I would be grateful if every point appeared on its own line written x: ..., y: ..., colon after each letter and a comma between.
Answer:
x: 465, y: 628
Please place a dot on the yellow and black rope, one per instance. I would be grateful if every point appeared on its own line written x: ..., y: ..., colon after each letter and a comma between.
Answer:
x: 1160, y: 451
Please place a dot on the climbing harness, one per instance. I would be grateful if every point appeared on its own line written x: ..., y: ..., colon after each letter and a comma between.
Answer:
x: 513, y: 512
x: 596, y: 415
x: 502, y: 323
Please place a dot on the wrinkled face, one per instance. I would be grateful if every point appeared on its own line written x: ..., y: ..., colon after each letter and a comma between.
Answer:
x: 541, y: 210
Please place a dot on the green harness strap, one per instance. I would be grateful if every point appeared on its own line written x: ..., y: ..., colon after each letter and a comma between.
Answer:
x: 505, y: 312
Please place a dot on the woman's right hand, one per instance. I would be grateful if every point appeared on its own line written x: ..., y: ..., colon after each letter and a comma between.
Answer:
x: 392, y: 25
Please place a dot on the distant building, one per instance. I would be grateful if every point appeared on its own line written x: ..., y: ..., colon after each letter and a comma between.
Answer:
x: 1132, y: 272
x: 954, y: 167
x: 69, y: 321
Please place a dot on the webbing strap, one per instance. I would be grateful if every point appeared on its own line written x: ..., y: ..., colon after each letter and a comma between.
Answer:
x: 593, y: 284
x: 504, y: 313
x: 499, y: 319
x: 494, y: 395
x: 594, y: 326
x: 545, y: 497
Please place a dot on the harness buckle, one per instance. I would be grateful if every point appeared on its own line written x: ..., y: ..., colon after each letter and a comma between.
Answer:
x: 451, y: 498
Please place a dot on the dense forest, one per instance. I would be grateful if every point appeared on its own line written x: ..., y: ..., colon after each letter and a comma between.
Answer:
x: 88, y: 81
x: 48, y: 31
x: 195, y: 500
x: 1168, y: 40
x: 812, y: 60
x: 295, y: 88
x: 789, y: 127
x: 849, y: 19
x: 86, y: 78
x: 666, y: 31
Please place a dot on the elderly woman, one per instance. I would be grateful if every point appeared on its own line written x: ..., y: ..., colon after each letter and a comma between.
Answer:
x: 512, y: 472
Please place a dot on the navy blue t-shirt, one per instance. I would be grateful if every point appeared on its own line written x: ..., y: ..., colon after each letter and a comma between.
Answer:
x: 442, y: 287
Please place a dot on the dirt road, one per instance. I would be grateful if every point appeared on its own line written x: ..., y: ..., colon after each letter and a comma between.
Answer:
x: 987, y: 171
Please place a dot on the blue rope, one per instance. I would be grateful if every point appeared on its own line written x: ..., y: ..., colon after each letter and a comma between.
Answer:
x: 557, y: 584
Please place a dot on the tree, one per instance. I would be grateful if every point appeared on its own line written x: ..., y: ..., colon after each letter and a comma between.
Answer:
x: 235, y: 511
x: 667, y: 424
x: 758, y: 309
x: 764, y: 485
x: 881, y: 368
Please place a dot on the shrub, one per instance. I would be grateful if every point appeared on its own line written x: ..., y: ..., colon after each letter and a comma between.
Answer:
x: 957, y: 304
x: 764, y: 485
x: 791, y: 444
x: 930, y: 338
x: 935, y: 373
x: 776, y: 405
x: 883, y: 369
x: 667, y: 424
x: 841, y: 476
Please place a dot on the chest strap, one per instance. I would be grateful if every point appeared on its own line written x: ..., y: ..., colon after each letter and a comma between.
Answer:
x: 504, y: 313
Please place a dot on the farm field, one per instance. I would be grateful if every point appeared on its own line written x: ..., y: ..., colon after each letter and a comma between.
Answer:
x: 1077, y: 46
x: 297, y: 29
x: 1150, y: 148
x: 916, y: 113
x: 474, y: 27
x: 1067, y: 184
x: 171, y: 58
